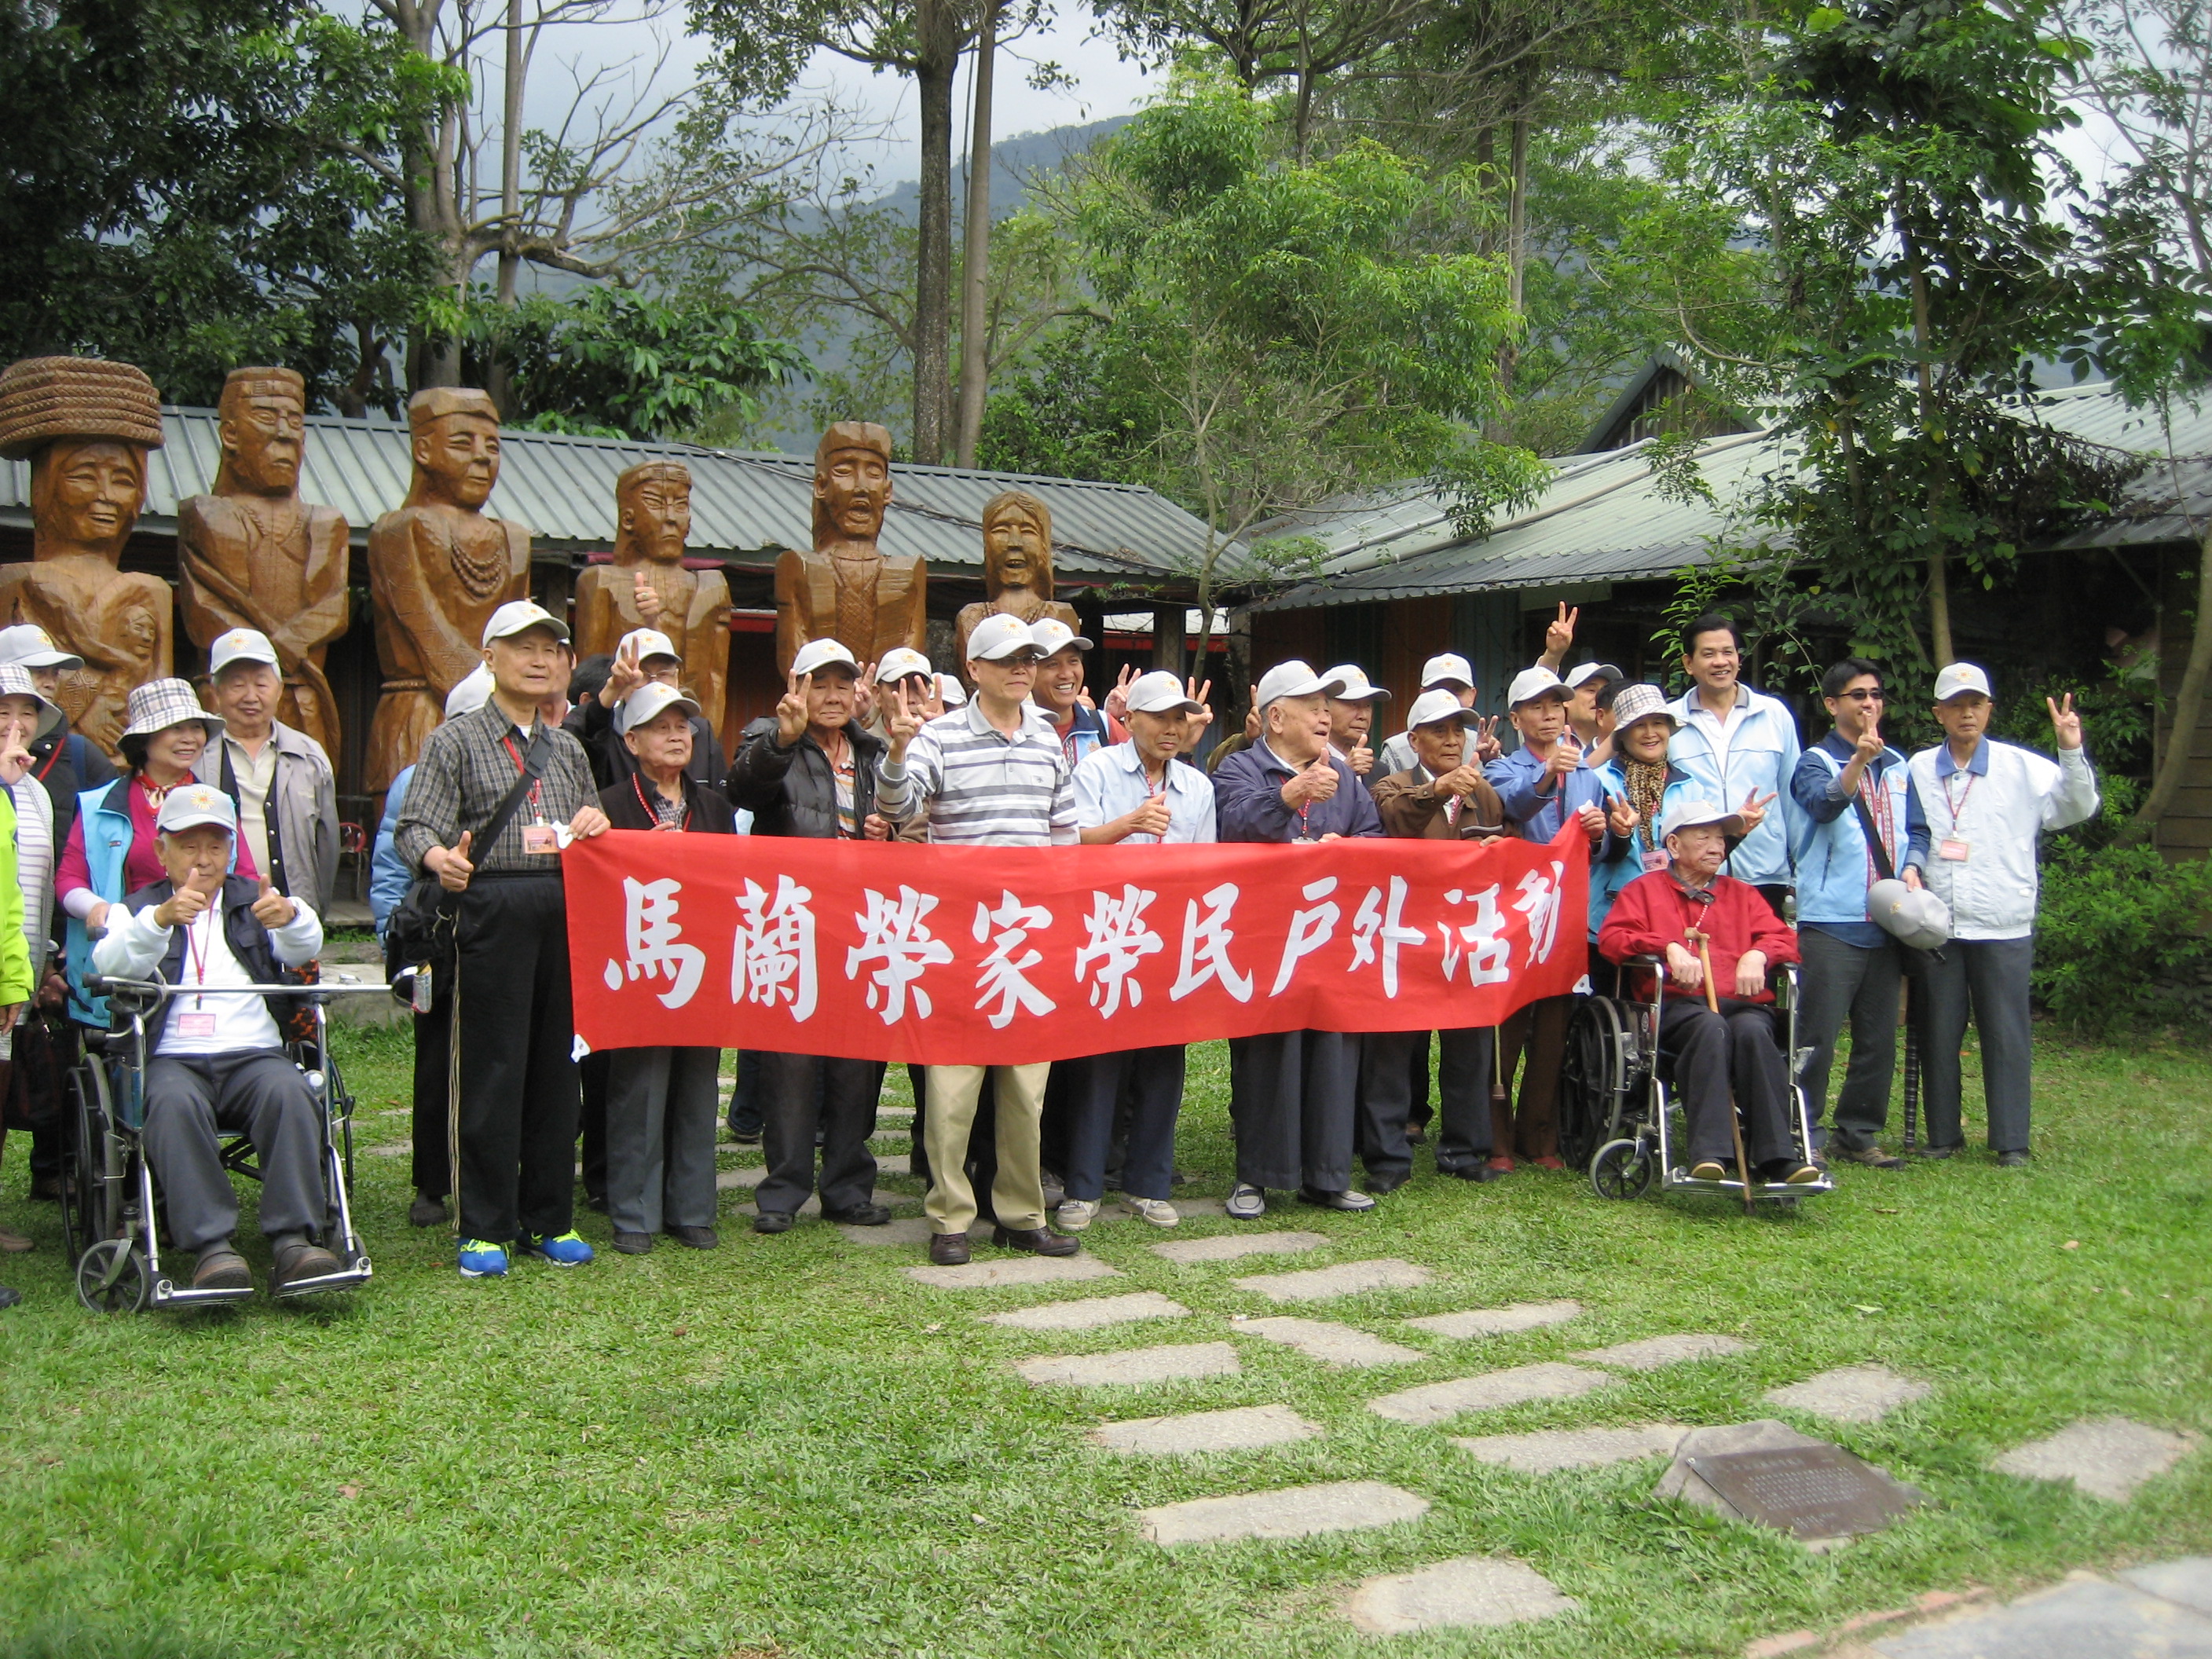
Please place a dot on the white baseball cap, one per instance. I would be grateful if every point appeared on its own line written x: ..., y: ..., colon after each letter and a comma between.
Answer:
x: 1053, y: 636
x: 1689, y: 814
x: 187, y: 809
x: 29, y: 645
x: 653, y: 699
x: 1160, y: 693
x: 471, y: 694
x: 1436, y: 705
x: 820, y: 654
x: 649, y: 643
x: 240, y: 645
x: 1001, y: 636
x: 1531, y: 684
x: 1959, y: 678
x: 519, y: 617
x: 899, y: 663
x: 1293, y: 679
x: 1449, y: 669
x: 1582, y: 673
x: 1356, y: 686
x: 954, y: 694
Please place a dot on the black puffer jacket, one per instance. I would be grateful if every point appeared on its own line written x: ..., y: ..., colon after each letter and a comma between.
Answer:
x: 791, y: 791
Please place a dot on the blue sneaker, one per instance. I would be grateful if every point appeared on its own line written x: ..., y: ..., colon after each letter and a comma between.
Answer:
x: 480, y: 1259
x: 566, y: 1251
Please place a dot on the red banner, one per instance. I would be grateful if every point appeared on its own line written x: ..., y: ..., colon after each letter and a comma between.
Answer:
x: 975, y: 955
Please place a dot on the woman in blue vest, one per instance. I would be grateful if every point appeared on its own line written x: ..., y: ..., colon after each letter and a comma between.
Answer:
x: 110, y: 849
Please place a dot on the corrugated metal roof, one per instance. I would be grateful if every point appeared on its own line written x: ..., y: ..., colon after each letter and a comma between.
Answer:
x: 1603, y: 517
x: 745, y: 507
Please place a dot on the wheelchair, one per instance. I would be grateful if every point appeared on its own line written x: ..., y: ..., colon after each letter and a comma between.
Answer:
x: 1616, y: 1119
x: 111, y: 1210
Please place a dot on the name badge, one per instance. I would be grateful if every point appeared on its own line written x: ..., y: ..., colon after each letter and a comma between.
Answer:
x: 539, y: 838
x: 1954, y: 852
x: 196, y: 1025
x: 1654, y: 860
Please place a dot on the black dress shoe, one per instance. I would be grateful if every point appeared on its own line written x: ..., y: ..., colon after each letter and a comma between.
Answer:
x: 773, y: 1221
x: 220, y: 1267
x: 860, y: 1215
x: 429, y: 1210
x: 1939, y: 1152
x: 596, y: 1201
x: 2011, y: 1160
x: 1479, y: 1171
x: 951, y: 1249
x: 634, y: 1244
x: 1037, y: 1240
x: 8, y: 1298
x: 1383, y: 1186
x: 700, y: 1238
x: 46, y: 1189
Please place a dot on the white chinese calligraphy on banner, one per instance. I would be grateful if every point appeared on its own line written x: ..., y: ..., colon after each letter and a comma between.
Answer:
x: 650, y: 929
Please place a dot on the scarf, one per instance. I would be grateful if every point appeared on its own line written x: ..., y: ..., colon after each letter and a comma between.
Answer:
x: 1646, y: 786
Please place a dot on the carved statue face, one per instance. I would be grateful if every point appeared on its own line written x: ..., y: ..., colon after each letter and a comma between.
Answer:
x: 656, y: 518
x: 1013, y: 551
x: 92, y: 493
x: 458, y: 458
x: 262, y: 442
x: 855, y: 486
x: 141, y: 633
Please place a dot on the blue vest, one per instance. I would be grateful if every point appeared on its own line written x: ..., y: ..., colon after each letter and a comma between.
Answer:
x: 1833, y: 870
x: 105, y: 812
x: 1608, y: 879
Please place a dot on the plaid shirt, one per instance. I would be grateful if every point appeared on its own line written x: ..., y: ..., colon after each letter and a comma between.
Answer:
x: 465, y: 771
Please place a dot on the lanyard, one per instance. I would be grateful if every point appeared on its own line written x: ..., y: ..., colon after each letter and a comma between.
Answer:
x: 1959, y: 805
x: 195, y: 951
x: 515, y: 755
x: 682, y: 819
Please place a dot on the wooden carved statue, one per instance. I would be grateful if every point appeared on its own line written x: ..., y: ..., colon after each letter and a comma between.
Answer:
x: 86, y: 427
x: 846, y: 589
x: 253, y: 555
x: 1017, y: 565
x: 437, y: 569
x: 647, y: 587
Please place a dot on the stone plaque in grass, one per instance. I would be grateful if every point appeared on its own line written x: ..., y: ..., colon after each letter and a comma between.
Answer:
x: 1244, y: 1428
x: 1289, y: 1512
x: 1683, y: 1479
x: 1808, y: 1491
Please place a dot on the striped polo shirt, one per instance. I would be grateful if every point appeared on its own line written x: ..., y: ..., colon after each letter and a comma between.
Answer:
x: 978, y: 788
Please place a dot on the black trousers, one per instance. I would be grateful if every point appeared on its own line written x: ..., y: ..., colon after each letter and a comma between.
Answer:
x: 1150, y: 1080
x: 1291, y: 1100
x: 799, y: 1093
x: 1739, y: 1048
x: 1843, y: 980
x: 593, y: 1074
x: 1386, y: 1094
x: 513, y: 1032
x: 433, y: 1170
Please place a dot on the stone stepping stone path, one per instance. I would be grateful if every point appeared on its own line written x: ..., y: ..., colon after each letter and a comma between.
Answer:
x: 730, y: 1179
x: 812, y: 1206
x: 1439, y: 1402
x: 1245, y: 1428
x: 398, y: 1149
x: 1656, y: 1352
x: 1552, y: 1449
x: 1091, y: 1314
x: 2087, y: 1618
x: 1497, y: 1321
x: 1013, y: 1270
x: 1130, y: 1367
x: 1471, y: 1591
x: 907, y: 1229
x: 1330, y: 1343
x: 1288, y: 1512
x: 1853, y: 1394
x: 1232, y: 1246
x: 1189, y: 1209
x: 1347, y: 1279
x: 2107, y: 1457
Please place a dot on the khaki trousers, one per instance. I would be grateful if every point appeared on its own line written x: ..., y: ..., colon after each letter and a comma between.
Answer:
x: 1018, y: 1192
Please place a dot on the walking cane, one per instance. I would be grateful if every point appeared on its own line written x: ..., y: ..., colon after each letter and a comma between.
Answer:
x: 1702, y: 941
x: 1911, y: 1070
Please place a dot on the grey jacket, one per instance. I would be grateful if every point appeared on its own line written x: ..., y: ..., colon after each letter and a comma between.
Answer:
x: 303, y: 802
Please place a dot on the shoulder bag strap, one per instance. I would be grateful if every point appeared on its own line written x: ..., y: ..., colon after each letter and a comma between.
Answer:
x: 533, y: 768
x: 1873, y: 839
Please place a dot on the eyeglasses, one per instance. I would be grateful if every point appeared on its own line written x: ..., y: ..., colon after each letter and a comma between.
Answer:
x: 1866, y: 696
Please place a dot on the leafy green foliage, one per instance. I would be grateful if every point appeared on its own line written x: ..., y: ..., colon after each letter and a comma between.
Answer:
x: 2122, y: 938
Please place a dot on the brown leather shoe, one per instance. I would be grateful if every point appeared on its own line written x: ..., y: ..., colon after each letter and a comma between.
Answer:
x: 14, y: 1244
x: 1037, y: 1240
x: 220, y: 1267
x: 292, y: 1258
x: 951, y: 1249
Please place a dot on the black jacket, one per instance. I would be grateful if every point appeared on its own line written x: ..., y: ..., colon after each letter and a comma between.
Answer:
x: 792, y: 791
x: 242, y: 931
x: 612, y: 762
x: 68, y: 765
x: 704, y: 813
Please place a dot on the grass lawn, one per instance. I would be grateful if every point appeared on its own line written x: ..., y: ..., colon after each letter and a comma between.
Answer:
x: 788, y: 1448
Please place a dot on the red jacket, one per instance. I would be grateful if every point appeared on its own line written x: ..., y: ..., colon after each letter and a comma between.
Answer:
x: 1655, y: 911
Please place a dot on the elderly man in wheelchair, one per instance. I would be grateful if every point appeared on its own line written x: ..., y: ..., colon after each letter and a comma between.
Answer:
x: 1718, y: 938
x: 217, y: 1060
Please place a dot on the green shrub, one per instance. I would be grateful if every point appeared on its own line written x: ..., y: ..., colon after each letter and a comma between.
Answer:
x: 2121, y: 938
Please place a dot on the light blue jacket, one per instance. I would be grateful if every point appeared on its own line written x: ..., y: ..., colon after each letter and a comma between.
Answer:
x: 1762, y: 753
x: 1834, y: 869
x: 389, y: 877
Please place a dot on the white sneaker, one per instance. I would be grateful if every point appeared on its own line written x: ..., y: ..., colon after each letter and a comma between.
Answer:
x: 1158, y: 1210
x: 1246, y: 1202
x: 1074, y: 1215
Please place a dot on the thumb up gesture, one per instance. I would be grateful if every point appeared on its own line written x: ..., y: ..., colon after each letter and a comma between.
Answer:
x: 648, y: 600
x: 272, y: 910
x: 451, y: 864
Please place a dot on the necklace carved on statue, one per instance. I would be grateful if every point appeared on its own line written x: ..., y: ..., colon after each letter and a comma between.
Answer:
x: 480, y: 578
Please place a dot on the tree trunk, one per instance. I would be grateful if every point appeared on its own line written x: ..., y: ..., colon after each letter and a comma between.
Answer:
x: 499, y: 379
x: 2188, y: 705
x: 1516, y: 243
x: 426, y: 150
x: 1939, y: 574
x: 936, y: 56
x: 976, y: 267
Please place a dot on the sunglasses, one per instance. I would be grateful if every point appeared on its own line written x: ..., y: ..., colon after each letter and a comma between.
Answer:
x: 1867, y: 697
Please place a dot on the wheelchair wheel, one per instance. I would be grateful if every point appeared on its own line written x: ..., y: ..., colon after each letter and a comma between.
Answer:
x: 112, y: 1277
x: 85, y: 1216
x: 1621, y: 1170
x: 1593, y: 1078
